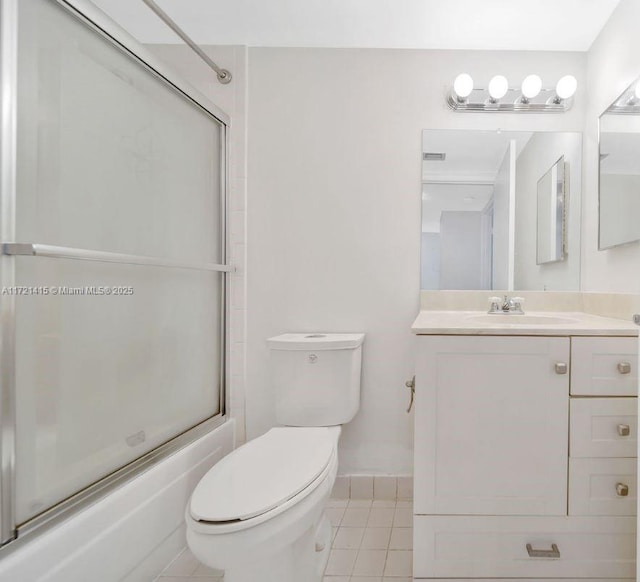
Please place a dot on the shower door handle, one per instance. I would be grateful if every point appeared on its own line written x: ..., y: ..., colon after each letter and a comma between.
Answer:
x: 55, y: 252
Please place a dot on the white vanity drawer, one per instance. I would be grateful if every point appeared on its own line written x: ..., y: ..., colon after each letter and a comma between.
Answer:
x: 604, y: 366
x: 603, y: 427
x: 496, y: 547
x: 602, y: 486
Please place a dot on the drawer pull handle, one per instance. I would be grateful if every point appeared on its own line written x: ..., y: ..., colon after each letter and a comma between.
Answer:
x: 561, y: 368
x: 624, y: 367
x: 622, y: 490
x: 624, y: 430
x: 554, y: 552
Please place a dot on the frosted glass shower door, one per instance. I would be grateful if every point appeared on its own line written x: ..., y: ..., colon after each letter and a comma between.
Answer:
x: 112, y: 357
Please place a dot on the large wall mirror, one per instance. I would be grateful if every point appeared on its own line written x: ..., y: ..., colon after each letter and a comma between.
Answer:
x: 619, y: 195
x: 501, y: 210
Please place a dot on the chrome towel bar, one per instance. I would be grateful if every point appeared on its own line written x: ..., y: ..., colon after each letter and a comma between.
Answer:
x: 55, y: 252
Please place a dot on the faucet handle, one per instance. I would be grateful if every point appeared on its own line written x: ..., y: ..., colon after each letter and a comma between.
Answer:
x: 517, y: 303
x: 494, y: 304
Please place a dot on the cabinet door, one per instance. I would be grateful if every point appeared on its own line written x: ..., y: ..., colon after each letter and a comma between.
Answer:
x: 491, y: 425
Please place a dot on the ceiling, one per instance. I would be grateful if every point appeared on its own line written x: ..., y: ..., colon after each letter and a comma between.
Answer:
x: 556, y: 25
x: 471, y: 156
x: 464, y: 180
x: 437, y: 198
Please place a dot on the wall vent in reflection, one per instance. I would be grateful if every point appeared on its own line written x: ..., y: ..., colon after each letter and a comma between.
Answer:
x: 433, y: 157
x: 136, y: 439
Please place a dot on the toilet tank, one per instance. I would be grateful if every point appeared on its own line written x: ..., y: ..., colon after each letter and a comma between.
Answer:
x: 316, y: 377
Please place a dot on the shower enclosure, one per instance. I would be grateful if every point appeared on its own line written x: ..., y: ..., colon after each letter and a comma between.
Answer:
x: 113, y: 265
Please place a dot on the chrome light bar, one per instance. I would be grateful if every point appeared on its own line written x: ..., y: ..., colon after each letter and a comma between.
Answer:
x: 512, y: 102
x: 531, y: 97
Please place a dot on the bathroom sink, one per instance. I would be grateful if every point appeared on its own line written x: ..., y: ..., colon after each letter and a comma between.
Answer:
x: 503, y: 318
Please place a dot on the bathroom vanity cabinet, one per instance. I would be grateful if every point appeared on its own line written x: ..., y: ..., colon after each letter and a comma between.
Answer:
x: 525, y: 461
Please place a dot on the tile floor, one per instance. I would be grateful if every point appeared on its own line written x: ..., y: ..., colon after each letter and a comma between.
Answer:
x: 372, y: 542
x: 186, y: 568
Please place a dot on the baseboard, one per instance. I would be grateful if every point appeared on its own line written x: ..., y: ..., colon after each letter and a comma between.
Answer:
x: 388, y: 487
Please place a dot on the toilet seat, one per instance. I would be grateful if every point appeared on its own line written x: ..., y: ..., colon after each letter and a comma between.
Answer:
x: 263, y: 475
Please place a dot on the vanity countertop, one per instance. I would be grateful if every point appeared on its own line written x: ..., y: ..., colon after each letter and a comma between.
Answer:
x: 531, y: 323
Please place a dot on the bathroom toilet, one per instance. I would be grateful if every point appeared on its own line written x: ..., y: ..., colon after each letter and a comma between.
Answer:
x: 258, y: 514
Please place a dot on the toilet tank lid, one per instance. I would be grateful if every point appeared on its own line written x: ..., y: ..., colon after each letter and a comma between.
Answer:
x: 262, y: 474
x: 316, y: 341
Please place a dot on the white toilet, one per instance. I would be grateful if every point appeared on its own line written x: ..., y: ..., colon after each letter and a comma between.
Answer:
x: 259, y: 513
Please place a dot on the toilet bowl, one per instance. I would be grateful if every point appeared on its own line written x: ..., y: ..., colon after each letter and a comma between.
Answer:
x: 259, y: 513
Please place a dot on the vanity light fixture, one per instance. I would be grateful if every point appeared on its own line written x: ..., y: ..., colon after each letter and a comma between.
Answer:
x: 498, y: 87
x: 634, y: 100
x: 531, y: 87
x: 462, y: 87
x: 498, y: 96
x: 628, y: 103
x: 565, y: 88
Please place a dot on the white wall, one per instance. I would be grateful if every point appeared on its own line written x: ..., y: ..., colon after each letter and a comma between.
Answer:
x: 334, y: 210
x: 541, y: 152
x: 613, y: 64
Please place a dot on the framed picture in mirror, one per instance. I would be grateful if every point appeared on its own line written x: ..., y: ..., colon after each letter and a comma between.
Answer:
x: 550, y: 224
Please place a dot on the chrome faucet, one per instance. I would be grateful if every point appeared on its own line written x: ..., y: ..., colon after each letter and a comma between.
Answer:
x: 508, y: 305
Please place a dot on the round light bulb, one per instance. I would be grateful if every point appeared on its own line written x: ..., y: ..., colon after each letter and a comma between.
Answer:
x: 637, y: 91
x: 498, y: 87
x: 463, y: 85
x: 531, y: 86
x: 566, y: 87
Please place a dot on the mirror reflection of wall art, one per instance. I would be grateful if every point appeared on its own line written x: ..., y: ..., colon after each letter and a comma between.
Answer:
x: 619, y: 192
x: 552, y: 195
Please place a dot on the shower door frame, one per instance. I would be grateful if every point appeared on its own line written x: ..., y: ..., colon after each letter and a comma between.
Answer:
x: 12, y: 535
